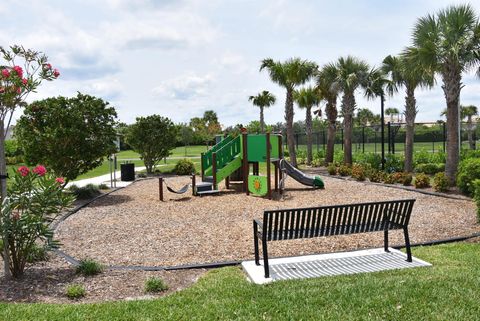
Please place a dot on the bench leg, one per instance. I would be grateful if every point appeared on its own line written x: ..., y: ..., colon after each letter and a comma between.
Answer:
x: 407, y: 244
x: 385, y: 241
x: 255, y: 243
x: 265, y: 258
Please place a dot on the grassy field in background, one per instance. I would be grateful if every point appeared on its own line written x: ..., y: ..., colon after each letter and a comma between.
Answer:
x: 446, y: 291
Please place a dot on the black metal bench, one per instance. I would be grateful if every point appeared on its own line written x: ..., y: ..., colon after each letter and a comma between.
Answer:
x: 288, y: 224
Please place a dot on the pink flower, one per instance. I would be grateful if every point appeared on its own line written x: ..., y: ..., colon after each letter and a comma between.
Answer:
x: 23, y: 170
x: 56, y: 73
x: 24, y: 81
x: 5, y: 73
x: 2, y: 90
x: 60, y: 180
x: 18, y: 70
x: 40, y: 170
x: 47, y: 66
x: 19, y: 90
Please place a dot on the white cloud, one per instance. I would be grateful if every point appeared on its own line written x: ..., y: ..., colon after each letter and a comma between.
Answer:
x: 184, y: 87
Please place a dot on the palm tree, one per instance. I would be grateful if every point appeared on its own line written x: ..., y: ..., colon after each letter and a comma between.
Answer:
x: 392, y: 111
x: 351, y: 74
x: 307, y: 98
x: 404, y: 71
x: 329, y: 90
x: 468, y: 112
x: 289, y: 74
x: 365, y: 117
x: 448, y: 44
x: 262, y: 100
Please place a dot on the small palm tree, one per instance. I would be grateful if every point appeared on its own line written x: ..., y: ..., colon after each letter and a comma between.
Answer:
x: 290, y: 74
x: 329, y: 90
x: 307, y: 98
x: 405, y: 71
x: 263, y: 100
x: 352, y: 73
x: 448, y: 43
x: 392, y: 111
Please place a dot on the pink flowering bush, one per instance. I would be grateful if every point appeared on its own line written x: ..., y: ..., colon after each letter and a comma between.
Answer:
x: 35, y: 199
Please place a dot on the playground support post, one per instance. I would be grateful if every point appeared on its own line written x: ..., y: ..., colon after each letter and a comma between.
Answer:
x: 269, y: 187
x: 245, y: 163
x: 194, y: 184
x: 160, y: 188
x: 202, y: 166
x: 214, y: 170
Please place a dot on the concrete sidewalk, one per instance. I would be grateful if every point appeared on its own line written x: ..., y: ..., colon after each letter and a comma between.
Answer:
x: 103, y: 179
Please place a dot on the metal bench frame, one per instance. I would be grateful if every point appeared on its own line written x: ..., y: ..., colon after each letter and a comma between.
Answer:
x: 297, y: 223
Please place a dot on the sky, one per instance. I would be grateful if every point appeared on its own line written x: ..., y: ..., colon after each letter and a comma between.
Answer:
x: 181, y: 58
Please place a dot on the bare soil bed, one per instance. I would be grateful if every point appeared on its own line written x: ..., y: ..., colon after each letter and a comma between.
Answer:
x: 132, y: 227
x: 47, y: 282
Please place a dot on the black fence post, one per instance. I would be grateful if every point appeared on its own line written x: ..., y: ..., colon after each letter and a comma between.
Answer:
x: 342, y: 138
x: 324, y: 139
x: 318, y: 141
x: 363, y: 139
x: 389, y: 135
x: 296, y: 140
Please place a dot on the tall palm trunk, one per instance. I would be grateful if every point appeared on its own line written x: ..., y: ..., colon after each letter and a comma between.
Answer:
x: 289, y: 119
x: 262, y: 121
x: 331, y: 111
x: 348, y: 103
x: 410, y: 115
x: 308, y: 125
x: 451, y: 87
x: 470, y: 129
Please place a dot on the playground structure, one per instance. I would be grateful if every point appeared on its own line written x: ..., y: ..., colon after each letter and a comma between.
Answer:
x: 239, y: 158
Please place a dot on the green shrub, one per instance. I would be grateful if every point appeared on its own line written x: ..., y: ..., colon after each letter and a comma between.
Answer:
x: 358, y: 172
x: 75, y: 291
x: 430, y: 168
x: 332, y: 169
x: 184, y: 167
x: 286, y: 153
x: 301, y: 153
x: 407, y: 179
x: 141, y: 175
x: 468, y: 171
x: 376, y: 176
x: 372, y: 159
x: 154, y: 284
x: 88, y: 267
x: 301, y: 161
x: 440, y: 182
x: 37, y: 254
x: 344, y: 170
x: 317, y: 162
x: 103, y: 186
x: 86, y: 192
x: 394, y: 163
x: 476, y: 196
x: 469, y: 153
x: 389, y: 179
x: 422, y: 180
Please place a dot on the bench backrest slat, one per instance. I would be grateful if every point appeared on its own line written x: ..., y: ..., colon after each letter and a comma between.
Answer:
x: 336, y: 220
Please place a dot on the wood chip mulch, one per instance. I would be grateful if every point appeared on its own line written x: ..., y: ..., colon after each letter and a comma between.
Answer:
x: 132, y: 227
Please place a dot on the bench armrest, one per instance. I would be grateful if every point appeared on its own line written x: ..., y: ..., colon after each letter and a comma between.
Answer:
x: 258, y: 222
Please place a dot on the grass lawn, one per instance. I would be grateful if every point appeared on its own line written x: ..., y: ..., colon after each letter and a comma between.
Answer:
x: 447, y: 291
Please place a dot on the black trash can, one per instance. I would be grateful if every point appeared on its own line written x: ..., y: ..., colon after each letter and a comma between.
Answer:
x: 127, y: 172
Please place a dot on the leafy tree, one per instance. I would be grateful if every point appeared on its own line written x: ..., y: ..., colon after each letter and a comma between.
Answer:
x: 392, y: 112
x: 206, y: 127
x: 404, y: 71
x: 290, y: 74
x: 122, y: 129
x: 469, y: 112
x: 263, y: 100
x: 153, y: 137
x: 15, y: 85
x: 365, y: 117
x: 255, y: 127
x: 352, y: 73
x: 69, y: 135
x: 448, y: 44
x: 307, y: 98
x: 329, y: 90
